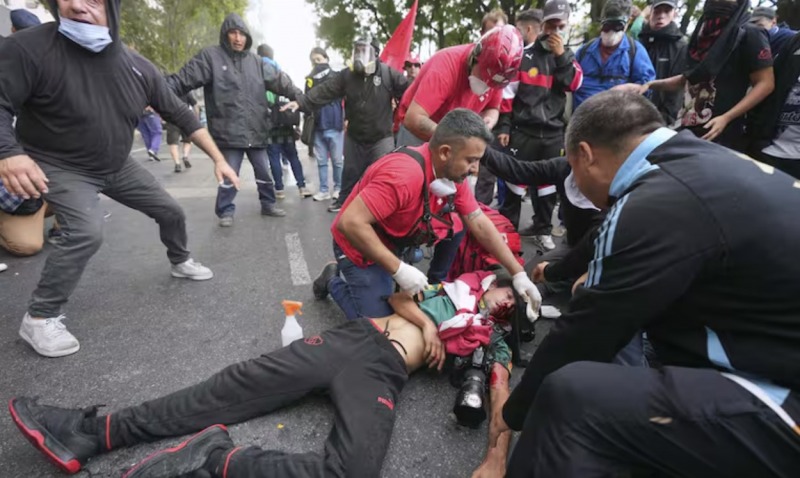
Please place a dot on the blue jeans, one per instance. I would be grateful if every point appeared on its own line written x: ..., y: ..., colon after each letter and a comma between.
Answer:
x: 360, y: 292
x: 443, y: 255
x: 227, y: 193
x: 633, y: 354
x: 289, y: 151
x: 329, y: 143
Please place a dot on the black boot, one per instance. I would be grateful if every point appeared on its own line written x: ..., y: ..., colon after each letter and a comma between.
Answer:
x: 192, y: 458
x: 321, y: 282
x: 56, y: 432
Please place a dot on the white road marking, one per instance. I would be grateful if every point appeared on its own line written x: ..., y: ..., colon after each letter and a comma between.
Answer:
x: 297, y: 261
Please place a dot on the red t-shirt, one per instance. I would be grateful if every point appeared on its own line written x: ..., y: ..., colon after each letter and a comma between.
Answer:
x: 443, y: 85
x: 392, y: 190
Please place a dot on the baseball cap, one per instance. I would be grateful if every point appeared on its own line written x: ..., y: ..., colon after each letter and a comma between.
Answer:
x: 616, y: 11
x: 671, y: 3
x: 762, y: 12
x: 556, y: 9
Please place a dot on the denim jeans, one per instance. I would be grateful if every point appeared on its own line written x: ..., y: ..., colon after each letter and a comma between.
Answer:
x: 360, y: 292
x: 226, y: 193
x: 443, y: 255
x: 329, y: 143
x: 289, y: 151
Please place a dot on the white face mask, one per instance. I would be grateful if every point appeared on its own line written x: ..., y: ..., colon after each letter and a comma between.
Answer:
x: 442, y: 188
x: 478, y: 86
x: 610, y: 39
x: 575, y: 195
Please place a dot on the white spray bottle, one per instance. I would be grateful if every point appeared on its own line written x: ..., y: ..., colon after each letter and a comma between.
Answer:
x: 291, y: 330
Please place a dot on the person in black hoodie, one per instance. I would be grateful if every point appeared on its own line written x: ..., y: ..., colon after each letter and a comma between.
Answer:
x: 368, y: 88
x: 775, y: 125
x: 77, y: 93
x: 235, y: 81
x: 729, y: 72
x: 667, y: 49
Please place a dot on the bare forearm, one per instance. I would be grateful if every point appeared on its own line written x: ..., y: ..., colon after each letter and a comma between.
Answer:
x: 490, y: 117
x: 673, y: 83
x: 204, y: 141
x: 364, y: 239
x: 486, y: 234
x: 421, y: 126
x: 404, y: 306
x: 498, y: 394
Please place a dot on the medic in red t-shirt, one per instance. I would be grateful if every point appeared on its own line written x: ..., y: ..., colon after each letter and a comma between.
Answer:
x: 387, y: 212
x: 466, y: 76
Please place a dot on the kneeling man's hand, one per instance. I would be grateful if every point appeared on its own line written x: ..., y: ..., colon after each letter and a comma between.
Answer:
x: 529, y: 292
x: 410, y: 279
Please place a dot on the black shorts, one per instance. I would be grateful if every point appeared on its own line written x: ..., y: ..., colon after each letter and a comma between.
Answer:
x: 175, y: 136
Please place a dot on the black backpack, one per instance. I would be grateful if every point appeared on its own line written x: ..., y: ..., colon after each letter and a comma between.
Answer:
x: 631, y: 57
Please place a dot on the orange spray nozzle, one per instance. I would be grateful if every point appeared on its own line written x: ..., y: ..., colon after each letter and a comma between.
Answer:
x: 292, y: 307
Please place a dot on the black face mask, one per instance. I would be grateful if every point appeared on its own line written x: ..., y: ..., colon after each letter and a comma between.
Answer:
x: 719, y: 9
x: 318, y: 67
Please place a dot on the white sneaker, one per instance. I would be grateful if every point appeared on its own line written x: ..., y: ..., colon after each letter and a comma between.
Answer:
x: 191, y: 270
x: 335, y: 194
x: 321, y: 196
x: 48, y: 337
x: 304, y: 193
x: 547, y: 242
x: 279, y: 194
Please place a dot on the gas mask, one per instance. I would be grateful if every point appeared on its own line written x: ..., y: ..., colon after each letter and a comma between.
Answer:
x: 478, y: 86
x: 364, y: 61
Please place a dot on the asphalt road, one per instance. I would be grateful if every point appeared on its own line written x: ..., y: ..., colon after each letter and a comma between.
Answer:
x: 144, y: 334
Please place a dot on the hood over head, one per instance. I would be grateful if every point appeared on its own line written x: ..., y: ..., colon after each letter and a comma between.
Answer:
x: 234, y: 22
x: 22, y: 19
x: 112, y: 12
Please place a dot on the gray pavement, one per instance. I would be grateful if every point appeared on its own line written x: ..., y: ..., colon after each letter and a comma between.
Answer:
x: 144, y: 334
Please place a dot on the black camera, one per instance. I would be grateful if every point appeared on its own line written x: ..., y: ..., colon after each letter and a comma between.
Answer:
x: 470, y: 403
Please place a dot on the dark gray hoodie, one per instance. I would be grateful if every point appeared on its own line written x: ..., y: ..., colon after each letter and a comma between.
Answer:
x: 235, y: 86
x: 77, y: 109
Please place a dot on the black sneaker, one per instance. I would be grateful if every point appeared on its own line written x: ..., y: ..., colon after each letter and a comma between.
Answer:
x: 153, y: 156
x: 335, y: 207
x: 186, y: 163
x: 177, y: 168
x: 273, y: 212
x: 321, y: 282
x: 528, y: 231
x: 181, y: 460
x: 56, y: 432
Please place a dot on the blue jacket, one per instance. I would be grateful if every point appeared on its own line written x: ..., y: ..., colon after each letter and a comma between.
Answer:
x: 598, y: 77
x: 330, y: 116
x: 778, y: 36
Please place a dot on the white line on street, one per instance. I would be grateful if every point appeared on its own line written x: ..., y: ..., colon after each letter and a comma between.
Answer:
x: 297, y: 262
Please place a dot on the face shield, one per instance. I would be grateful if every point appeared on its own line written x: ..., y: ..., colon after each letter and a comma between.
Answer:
x: 364, y: 57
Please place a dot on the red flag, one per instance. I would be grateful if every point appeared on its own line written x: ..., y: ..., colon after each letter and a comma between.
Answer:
x: 396, y: 50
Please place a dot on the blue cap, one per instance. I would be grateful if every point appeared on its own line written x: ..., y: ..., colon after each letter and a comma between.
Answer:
x: 22, y: 19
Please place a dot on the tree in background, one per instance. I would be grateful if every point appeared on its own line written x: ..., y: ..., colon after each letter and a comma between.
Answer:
x: 170, y: 32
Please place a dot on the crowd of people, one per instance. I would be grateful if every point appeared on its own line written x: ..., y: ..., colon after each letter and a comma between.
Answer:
x: 674, y: 161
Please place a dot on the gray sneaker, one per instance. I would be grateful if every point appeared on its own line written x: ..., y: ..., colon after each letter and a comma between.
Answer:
x: 191, y: 270
x: 273, y: 212
x: 226, y: 221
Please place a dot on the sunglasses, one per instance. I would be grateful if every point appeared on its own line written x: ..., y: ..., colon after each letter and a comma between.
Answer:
x: 612, y: 27
x: 409, y: 65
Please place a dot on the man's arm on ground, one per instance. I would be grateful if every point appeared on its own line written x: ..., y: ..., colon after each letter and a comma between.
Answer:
x: 633, y: 279
x: 419, y: 122
x: 194, y: 74
x: 405, y: 306
x: 494, y: 464
x: 486, y: 234
x: 356, y: 224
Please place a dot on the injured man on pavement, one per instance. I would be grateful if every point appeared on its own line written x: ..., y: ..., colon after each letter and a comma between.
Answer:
x: 362, y: 365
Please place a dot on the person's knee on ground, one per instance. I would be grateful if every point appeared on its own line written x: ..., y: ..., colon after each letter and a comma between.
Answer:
x: 22, y: 236
x: 27, y: 248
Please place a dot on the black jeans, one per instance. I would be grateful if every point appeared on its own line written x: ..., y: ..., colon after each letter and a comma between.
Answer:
x: 357, y: 158
x: 593, y: 420
x: 354, y: 363
x: 529, y: 148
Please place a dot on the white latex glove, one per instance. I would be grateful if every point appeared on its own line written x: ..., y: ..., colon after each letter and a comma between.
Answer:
x: 410, y: 279
x: 524, y: 287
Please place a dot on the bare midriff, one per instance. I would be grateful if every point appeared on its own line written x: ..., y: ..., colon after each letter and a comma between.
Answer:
x: 406, y: 338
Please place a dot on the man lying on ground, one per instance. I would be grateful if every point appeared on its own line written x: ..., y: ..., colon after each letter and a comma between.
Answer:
x: 362, y: 365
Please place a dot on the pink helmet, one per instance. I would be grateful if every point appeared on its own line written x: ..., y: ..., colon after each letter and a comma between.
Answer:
x: 498, y: 55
